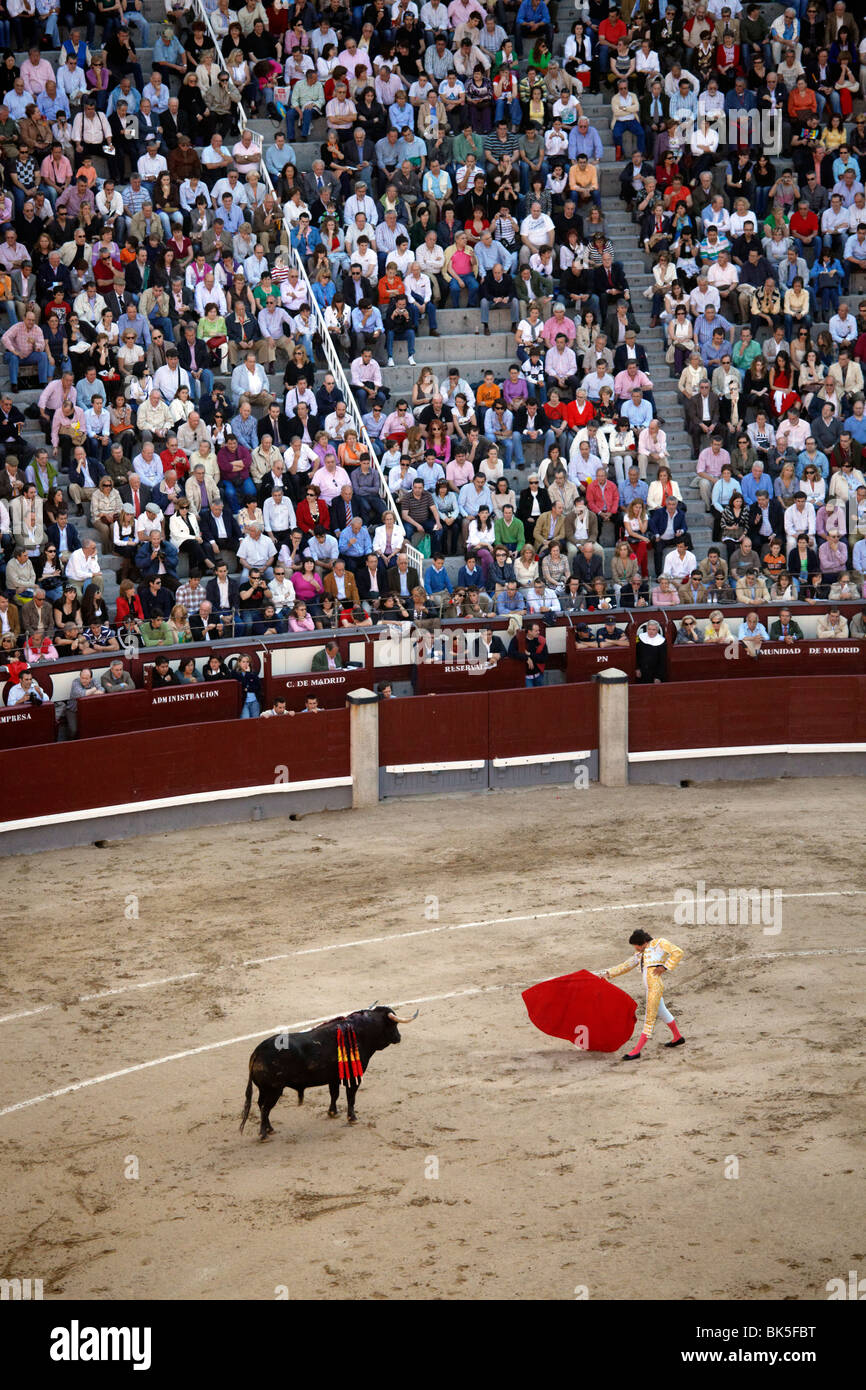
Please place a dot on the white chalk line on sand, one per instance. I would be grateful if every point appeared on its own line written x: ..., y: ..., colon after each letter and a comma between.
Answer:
x: 395, y: 936
x: 310, y: 1022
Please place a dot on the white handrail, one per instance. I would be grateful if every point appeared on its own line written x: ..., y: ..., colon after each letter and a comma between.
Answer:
x: 415, y: 556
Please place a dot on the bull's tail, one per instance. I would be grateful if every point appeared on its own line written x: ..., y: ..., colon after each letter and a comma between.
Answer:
x: 248, y: 1100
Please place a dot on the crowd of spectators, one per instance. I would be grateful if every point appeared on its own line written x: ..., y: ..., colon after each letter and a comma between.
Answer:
x: 189, y: 417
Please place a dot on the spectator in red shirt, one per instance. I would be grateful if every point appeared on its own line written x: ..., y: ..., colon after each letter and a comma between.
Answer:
x: 804, y: 229
x: 602, y: 497
x: 580, y: 411
x: 173, y: 457
x: 610, y: 31
x: 802, y: 103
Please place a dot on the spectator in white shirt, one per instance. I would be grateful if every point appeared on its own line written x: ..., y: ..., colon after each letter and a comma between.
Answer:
x: 82, y: 567
x: 843, y: 326
x: 256, y: 551
x: 800, y: 520
x: 248, y: 381
x: 679, y: 563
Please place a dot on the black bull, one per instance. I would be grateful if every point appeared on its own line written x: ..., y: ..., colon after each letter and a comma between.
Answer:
x: 301, y: 1060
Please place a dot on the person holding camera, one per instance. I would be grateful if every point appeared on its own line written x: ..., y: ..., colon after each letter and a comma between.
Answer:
x: 156, y: 556
x: 28, y: 691
x: 253, y: 595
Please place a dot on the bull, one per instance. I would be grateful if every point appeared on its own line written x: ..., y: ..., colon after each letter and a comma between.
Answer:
x: 298, y: 1061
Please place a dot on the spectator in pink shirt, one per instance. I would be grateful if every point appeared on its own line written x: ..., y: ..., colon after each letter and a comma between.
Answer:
x: 25, y: 345
x: 36, y: 71
x: 300, y: 620
x: 459, y: 470
x: 664, y: 595
x: 55, y: 169
x: 331, y: 478
x: 558, y: 323
x: 626, y: 381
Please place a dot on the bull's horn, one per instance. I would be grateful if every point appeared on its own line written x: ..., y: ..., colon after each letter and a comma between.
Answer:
x: 405, y: 1020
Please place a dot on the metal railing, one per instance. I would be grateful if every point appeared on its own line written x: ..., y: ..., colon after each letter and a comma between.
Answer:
x: 415, y: 557
x: 333, y: 360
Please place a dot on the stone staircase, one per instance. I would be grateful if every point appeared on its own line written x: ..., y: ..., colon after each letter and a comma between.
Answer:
x: 461, y: 344
x: 623, y: 233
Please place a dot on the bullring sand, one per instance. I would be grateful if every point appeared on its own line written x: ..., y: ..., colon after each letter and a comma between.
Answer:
x: 558, y: 1171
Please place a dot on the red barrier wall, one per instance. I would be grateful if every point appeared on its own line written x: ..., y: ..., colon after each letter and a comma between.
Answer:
x: 501, y: 724
x: 126, y: 711
x: 433, y: 729
x: 200, y: 758
x: 552, y: 719
x: 451, y: 678
x: 710, y: 714
x: 329, y: 687
x: 807, y: 658
x: 197, y: 759
x: 26, y: 724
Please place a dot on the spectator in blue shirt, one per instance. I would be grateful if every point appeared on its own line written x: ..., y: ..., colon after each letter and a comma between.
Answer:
x: 472, y: 497
x: 430, y: 472
x: 489, y: 253
x: 436, y: 581
x: 169, y: 51
x: 856, y: 423
x: 305, y: 238
x: 532, y: 22
x: 840, y: 165
x: 243, y: 427
x: 814, y: 457
x: 367, y: 326
x: 50, y: 105
x: 724, y: 489
x: 753, y: 482
x: 584, y: 139
x: 739, y: 98
x: 752, y: 632
x: 637, y: 411
x: 510, y: 599
x: 278, y: 155
x: 684, y: 103
x: 469, y: 576
x: 634, y: 488
x: 355, y: 543
x: 125, y: 91
x: 854, y: 254
x: 401, y: 113
x: 89, y: 386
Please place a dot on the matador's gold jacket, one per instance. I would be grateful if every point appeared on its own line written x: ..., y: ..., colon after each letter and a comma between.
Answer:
x: 656, y: 952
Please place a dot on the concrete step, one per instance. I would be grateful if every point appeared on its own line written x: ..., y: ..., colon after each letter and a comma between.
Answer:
x: 457, y: 321
x: 402, y: 379
x: 143, y: 55
x: 463, y: 347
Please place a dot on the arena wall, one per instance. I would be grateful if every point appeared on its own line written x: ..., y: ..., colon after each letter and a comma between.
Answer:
x: 179, y: 777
